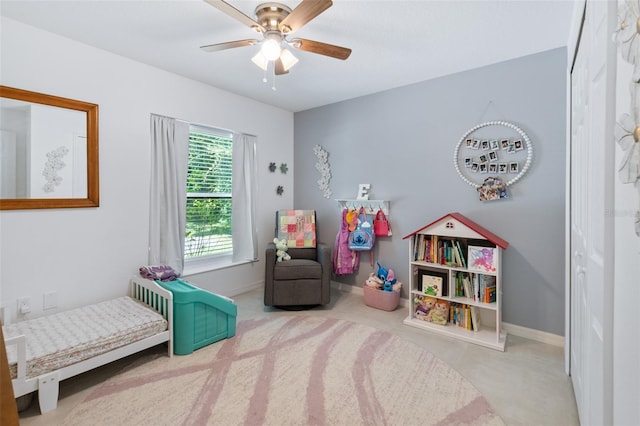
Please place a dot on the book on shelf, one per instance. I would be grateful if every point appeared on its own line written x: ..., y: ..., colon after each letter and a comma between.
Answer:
x: 456, y: 253
x: 464, y: 316
x: 482, y: 259
x: 461, y: 254
x: 473, y: 283
x: 431, y: 285
x: 475, y: 318
x: 486, y: 288
x: 433, y: 249
x: 459, y: 291
x: 430, y: 309
x: 460, y: 315
x: 466, y: 286
x: 490, y: 295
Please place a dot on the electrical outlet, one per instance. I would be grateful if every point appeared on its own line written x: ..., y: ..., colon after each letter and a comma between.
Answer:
x: 24, y: 306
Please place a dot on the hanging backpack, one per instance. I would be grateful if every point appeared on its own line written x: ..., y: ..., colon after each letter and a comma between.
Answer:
x: 362, y: 238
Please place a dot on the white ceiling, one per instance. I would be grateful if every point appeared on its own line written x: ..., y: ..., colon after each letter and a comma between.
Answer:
x: 394, y: 43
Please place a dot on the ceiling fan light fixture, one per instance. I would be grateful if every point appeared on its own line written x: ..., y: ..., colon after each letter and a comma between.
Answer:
x: 276, y: 21
x: 271, y: 49
x: 260, y: 60
x: 288, y: 59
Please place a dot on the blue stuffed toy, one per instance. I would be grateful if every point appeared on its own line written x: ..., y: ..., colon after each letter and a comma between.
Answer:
x: 387, y: 276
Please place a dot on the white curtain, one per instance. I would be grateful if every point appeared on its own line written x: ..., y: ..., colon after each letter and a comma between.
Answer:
x: 169, y: 159
x: 243, y: 226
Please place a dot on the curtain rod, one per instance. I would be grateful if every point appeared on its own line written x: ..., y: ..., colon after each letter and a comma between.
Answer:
x: 205, y: 125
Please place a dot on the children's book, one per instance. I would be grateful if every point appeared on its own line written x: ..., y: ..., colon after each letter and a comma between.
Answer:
x: 482, y: 259
x: 432, y: 286
x: 475, y: 318
x: 430, y: 309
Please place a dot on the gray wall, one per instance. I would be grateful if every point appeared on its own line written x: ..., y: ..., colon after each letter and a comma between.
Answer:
x: 401, y: 141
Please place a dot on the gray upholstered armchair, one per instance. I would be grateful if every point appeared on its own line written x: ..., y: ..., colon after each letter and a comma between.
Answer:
x: 303, y: 280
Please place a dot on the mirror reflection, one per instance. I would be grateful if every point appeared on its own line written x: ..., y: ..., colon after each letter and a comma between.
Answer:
x: 43, y: 151
x: 48, y: 151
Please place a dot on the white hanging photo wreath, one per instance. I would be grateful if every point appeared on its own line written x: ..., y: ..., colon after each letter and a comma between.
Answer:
x: 489, y: 156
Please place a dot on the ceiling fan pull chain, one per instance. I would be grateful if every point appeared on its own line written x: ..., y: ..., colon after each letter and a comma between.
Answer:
x: 273, y: 85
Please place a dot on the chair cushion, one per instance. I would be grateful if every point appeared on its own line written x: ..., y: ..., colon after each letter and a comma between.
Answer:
x: 297, y: 227
x: 296, y: 269
x: 303, y: 253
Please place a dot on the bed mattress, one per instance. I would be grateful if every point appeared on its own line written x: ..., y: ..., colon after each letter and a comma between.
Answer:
x: 64, y: 338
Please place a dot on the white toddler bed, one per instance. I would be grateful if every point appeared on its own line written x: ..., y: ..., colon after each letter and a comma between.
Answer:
x: 43, y: 351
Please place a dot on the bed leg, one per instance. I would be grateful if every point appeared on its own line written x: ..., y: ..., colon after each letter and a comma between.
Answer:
x: 48, y: 391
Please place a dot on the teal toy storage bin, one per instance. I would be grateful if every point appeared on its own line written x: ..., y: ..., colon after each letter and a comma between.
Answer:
x: 199, y: 317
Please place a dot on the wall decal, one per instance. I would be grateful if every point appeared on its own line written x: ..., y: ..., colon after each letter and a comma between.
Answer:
x: 627, y: 129
x: 51, y: 167
x: 627, y: 133
x: 322, y: 165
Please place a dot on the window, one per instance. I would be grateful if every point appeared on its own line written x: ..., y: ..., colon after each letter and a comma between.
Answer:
x: 209, y: 188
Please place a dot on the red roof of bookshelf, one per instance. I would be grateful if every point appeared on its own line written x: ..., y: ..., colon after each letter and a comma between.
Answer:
x: 469, y: 224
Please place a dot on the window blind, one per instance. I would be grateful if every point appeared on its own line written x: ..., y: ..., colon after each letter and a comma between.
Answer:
x: 209, y: 202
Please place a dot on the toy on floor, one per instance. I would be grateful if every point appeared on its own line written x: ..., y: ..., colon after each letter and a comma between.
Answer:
x: 374, y: 281
x: 281, y: 249
x: 384, y: 279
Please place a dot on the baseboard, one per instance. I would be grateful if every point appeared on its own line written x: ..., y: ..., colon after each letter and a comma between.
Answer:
x: 516, y: 330
x: 244, y: 289
x: 537, y: 335
x: 348, y: 288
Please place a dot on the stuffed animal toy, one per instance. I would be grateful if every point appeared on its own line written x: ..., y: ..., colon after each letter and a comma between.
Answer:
x: 391, y: 276
x: 281, y: 247
x: 382, y: 272
x: 374, y: 281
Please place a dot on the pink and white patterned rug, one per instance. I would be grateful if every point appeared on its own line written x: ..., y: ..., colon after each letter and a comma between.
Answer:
x: 290, y: 370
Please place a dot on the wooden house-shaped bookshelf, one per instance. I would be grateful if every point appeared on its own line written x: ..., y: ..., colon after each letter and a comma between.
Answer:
x: 456, y: 282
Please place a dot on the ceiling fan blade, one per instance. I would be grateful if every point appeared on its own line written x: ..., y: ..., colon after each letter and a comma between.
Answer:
x: 303, y: 13
x: 321, y: 48
x: 228, y: 45
x: 279, y: 67
x: 225, y: 7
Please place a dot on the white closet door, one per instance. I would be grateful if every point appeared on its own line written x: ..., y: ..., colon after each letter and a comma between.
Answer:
x: 592, y: 171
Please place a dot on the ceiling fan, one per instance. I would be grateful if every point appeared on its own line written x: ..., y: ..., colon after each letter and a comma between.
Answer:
x: 276, y: 22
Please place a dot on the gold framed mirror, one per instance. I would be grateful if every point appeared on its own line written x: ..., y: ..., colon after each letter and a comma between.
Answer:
x: 48, y: 151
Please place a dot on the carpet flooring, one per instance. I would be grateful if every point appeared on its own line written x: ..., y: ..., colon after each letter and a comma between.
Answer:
x: 290, y: 370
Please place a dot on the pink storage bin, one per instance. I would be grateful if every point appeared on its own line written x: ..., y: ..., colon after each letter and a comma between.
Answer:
x: 380, y: 299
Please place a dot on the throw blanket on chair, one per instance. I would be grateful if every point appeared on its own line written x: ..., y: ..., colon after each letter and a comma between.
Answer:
x: 297, y: 227
x: 159, y: 272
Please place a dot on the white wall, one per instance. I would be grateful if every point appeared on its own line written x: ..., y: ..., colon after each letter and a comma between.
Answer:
x: 87, y: 255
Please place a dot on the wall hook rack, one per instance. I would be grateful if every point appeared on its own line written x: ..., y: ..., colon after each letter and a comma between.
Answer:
x: 369, y: 206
